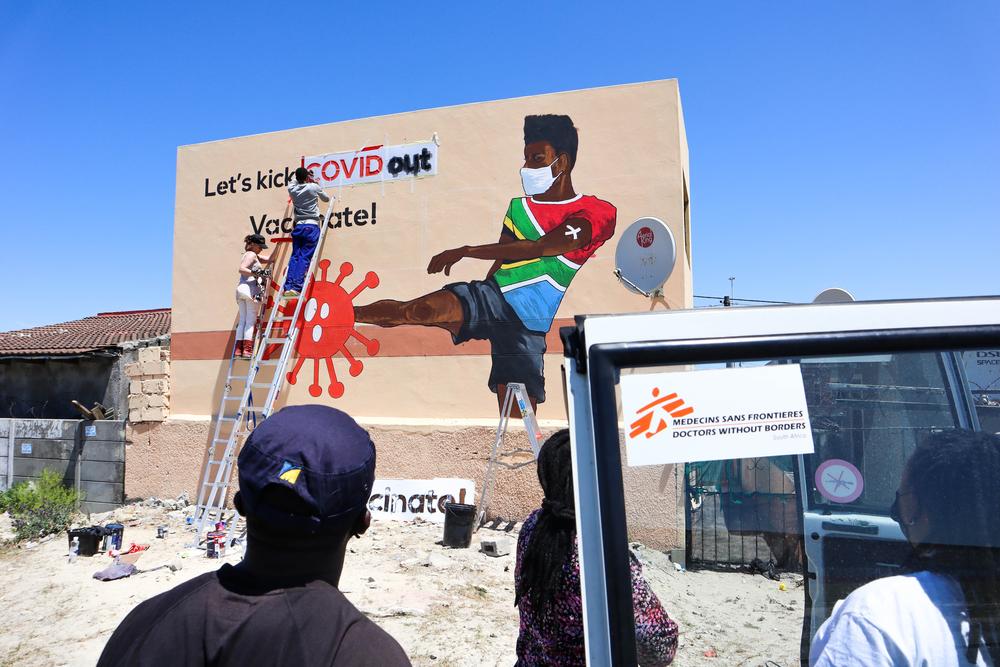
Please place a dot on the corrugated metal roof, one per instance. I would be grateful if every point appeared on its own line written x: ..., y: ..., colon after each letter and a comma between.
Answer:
x: 90, y: 334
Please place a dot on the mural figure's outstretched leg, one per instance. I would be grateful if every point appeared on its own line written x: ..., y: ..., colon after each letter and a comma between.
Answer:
x: 438, y: 309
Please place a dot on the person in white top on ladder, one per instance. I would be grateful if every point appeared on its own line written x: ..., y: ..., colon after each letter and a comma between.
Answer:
x: 248, y: 293
x: 304, y: 193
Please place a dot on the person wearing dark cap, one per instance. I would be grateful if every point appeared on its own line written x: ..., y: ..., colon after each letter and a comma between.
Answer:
x: 305, y: 477
x: 305, y: 193
x: 248, y: 293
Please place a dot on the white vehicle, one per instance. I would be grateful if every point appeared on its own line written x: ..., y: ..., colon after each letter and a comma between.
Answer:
x: 877, y: 377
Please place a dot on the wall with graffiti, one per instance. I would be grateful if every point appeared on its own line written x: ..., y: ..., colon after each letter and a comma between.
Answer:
x: 459, y: 241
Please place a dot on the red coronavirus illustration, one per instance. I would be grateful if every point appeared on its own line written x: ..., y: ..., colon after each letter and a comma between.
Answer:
x: 326, y: 323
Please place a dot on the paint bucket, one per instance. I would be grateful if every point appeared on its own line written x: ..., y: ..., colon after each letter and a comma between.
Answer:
x: 114, y: 532
x: 459, y: 521
x: 88, y: 538
x: 215, y: 546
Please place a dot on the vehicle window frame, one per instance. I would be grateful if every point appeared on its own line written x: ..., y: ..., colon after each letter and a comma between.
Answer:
x: 601, y: 364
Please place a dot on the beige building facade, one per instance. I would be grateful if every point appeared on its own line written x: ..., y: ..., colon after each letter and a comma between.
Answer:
x: 407, y: 187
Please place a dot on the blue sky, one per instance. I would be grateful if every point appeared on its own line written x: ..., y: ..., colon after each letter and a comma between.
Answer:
x: 840, y: 143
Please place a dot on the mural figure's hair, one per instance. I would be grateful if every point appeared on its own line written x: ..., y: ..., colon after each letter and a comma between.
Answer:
x: 953, y: 475
x: 554, y: 537
x: 555, y: 129
x: 301, y: 174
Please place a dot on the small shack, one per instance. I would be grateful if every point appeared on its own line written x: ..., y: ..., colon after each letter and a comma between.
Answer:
x: 48, y: 373
x: 45, y: 368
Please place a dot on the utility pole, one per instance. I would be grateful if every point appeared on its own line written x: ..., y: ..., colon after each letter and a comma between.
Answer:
x: 729, y: 302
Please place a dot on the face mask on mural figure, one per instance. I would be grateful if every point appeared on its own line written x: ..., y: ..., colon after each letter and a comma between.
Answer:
x: 537, y: 181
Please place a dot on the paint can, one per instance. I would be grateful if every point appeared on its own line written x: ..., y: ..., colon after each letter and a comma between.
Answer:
x: 114, y: 532
x: 215, y: 545
x: 459, y: 522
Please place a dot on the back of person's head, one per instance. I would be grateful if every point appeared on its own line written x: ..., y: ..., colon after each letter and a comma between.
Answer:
x: 557, y: 130
x: 953, y: 475
x: 302, y: 175
x: 554, y: 536
x: 256, y: 239
x: 555, y: 472
x: 305, y: 476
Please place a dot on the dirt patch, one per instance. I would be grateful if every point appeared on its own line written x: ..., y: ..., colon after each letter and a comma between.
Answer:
x: 445, y: 606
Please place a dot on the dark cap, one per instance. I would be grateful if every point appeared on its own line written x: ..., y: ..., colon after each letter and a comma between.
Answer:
x: 256, y: 238
x: 318, y: 453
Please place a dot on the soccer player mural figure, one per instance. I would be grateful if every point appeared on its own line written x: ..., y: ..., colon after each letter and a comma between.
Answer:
x: 547, y: 237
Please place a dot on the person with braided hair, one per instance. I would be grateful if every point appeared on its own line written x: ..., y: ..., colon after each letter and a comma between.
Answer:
x: 547, y: 579
x: 945, y: 611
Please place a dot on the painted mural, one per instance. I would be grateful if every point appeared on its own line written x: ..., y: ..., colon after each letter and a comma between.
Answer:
x: 545, y: 239
x: 457, y: 242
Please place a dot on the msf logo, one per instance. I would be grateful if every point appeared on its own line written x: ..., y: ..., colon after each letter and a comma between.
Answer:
x: 656, y: 413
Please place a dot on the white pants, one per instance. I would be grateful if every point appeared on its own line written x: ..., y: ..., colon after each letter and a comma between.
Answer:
x: 248, y: 312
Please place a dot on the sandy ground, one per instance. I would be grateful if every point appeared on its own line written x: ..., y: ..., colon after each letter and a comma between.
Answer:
x: 445, y: 606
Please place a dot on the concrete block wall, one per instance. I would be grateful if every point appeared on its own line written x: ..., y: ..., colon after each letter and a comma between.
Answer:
x: 149, y: 385
x: 89, y: 455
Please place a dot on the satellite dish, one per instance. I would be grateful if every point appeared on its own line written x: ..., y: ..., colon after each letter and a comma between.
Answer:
x: 645, y: 256
x: 834, y: 295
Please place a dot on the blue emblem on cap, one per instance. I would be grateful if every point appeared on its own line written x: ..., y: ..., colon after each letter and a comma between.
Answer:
x: 289, y: 472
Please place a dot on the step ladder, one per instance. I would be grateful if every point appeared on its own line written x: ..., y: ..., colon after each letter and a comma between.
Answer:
x: 251, y: 390
x: 515, y: 394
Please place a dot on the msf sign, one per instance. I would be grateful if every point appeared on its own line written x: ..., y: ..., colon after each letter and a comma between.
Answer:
x: 652, y: 417
x: 374, y: 164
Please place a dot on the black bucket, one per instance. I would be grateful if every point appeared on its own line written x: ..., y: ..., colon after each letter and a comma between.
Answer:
x: 89, y: 539
x: 459, y: 520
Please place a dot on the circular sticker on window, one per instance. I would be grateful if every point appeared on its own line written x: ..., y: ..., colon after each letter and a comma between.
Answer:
x: 839, y: 481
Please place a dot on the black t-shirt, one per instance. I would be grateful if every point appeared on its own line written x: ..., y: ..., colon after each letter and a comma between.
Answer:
x: 228, y: 617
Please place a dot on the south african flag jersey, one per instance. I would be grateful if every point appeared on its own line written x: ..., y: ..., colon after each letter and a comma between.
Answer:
x: 535, y: 287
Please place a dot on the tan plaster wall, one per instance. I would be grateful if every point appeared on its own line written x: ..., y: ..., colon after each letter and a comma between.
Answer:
x: 654, y: 507
x: 632, y: 153
x: 166, y: 459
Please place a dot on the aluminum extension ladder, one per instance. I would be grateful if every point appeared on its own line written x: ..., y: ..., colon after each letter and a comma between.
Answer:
x: 516, y: 392
x: 231, y: 429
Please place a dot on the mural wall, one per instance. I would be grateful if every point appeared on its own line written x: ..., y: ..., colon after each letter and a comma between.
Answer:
x: 460, y: 240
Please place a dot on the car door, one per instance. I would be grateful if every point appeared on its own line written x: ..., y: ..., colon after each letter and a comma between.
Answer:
x: 877, y: 376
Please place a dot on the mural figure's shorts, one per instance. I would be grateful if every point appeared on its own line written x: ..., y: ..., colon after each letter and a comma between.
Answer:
x: 516, y: 350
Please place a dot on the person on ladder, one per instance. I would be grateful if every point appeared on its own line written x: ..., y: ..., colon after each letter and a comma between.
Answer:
x: 304, y: 192
x: 248, y: 293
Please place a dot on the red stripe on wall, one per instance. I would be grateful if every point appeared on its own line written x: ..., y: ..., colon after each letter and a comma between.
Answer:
x: 404, y: 341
